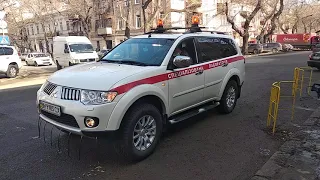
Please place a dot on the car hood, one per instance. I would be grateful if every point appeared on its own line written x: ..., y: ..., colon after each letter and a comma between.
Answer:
x: 90, y: 55
x: 95, y: 76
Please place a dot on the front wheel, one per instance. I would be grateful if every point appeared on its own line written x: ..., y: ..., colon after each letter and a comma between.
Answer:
x: 255, y: 51
x: 229, y: 98
x: 36, y: 64
x: 12, y: 71
x: 140, y: 132
x: 274, y: 50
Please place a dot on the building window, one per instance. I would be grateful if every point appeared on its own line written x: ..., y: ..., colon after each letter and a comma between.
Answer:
x: 68, y: 25
x: 120, y: 24
x: 49, y: 27
x: 61, y: 26
x: 162, y: 15
x: 137, y: 1
x: 126, y: 3
x: 206, y: 20
x: 37, y: 29
x: 138, y: 21
x: 32, y: 30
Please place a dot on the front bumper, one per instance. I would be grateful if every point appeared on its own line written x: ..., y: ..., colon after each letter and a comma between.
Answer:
x: 73, y: 114
x: 44, y: 62
x: 313, y: 63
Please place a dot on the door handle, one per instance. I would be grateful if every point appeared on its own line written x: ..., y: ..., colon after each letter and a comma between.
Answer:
x: 225, y: 64
x: 199, y: 72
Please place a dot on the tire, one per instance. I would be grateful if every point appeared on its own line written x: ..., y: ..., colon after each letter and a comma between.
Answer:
x: 226, y: 106
x: 274, y: 50
x: 126, y: 142
x: 12, y: 71
x: 58, y: 65
x: 36, y: 64
x: 27, y: 63
x: 318, y: 68
x: 255, y: 51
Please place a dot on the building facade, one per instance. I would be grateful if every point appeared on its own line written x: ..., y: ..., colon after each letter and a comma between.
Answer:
x: 111, y: 20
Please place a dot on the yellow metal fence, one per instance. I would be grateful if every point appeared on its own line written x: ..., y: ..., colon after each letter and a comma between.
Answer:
x: 275, y: 96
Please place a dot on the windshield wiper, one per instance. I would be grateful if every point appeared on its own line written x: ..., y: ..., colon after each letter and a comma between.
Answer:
x: 126, y: 62
x: 134, y: 63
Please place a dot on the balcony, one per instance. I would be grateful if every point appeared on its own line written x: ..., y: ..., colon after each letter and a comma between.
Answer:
x: 104, y: 26
x: 104, y: 31
x: 78, y: 33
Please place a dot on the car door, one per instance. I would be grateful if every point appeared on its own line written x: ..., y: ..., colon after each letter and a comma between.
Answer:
x: 185, y: 84
x: 3, y: 60
x: 214, y: 54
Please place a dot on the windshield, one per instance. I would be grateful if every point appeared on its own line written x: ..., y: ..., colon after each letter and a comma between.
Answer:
x: 39, y: 55
x: 81, y: 48
x: 140, y: 51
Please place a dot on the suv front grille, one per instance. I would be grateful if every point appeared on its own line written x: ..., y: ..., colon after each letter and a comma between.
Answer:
x: 70, y: 94
x: 49, y: 88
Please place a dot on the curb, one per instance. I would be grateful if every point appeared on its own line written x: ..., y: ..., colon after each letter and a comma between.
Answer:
x: 27, y: 82
x: 270, y: 54
x: 281, y: 162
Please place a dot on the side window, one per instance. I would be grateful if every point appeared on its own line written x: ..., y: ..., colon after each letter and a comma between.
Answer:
x: 2, y: 51
x: 186, y: 48
x: 228, y: 48
x: 209, y: 48
x: 8, y: 51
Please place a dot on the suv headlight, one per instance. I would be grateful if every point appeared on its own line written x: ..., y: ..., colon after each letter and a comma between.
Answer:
x: 97, y: 97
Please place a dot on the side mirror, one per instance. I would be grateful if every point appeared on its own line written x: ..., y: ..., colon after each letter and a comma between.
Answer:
x: 182, y: 61
x: 66, y: 50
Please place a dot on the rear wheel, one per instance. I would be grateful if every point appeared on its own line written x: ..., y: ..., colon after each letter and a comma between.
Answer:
x: 274, y: 50
x: 36, y: 64
x: 12, y: 71
x: 229, y: 98
x: 27, y: 63
x: 255, y: 51
x: 58, y: 65
x: 140, y: 132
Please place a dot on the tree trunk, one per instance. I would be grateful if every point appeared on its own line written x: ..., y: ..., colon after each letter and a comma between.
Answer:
x: 46, y: 39
x: 245, y: 40
x: 128, y: 20
x: 144, y: 16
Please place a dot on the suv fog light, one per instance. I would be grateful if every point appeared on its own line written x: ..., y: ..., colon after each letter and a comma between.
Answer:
x: 91, y: 122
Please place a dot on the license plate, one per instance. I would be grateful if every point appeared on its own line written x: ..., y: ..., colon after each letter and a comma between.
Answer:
x: 50, y: 108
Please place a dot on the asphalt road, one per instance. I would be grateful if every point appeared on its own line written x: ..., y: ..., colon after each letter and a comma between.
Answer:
x: 210, y: 146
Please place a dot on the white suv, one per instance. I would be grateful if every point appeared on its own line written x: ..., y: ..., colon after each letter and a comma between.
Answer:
x: 10, y: 62
x: 144, y: 84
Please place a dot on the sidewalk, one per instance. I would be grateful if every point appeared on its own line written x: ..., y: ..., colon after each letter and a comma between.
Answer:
x: 298, y: 158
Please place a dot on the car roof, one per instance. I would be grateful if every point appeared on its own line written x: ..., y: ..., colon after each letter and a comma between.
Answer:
x: 4, y: 45
x: 177, y: 35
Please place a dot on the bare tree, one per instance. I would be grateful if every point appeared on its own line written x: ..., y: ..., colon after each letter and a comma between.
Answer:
x: 83, y: 12
x: 268, y: 9
x: 273, y: 20
x: 248, y: 18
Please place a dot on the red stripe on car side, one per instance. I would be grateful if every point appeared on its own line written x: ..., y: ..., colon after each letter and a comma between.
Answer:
x: 172, y: 75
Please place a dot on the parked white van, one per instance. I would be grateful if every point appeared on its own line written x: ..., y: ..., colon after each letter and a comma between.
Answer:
x: 71, y: 50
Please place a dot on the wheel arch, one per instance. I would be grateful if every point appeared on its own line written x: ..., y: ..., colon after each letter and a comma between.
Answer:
x: 139, y: 94
x: 232, y: 75
x: 13, y: 64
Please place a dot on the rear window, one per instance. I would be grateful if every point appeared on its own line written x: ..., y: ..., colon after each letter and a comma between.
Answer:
x: 213, y: 48
x: 39, y: 55
x: 6, y: 51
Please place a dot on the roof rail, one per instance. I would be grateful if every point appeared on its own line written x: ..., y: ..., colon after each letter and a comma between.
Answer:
x: 193, y: 29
